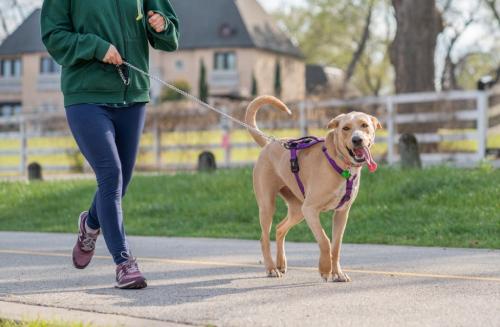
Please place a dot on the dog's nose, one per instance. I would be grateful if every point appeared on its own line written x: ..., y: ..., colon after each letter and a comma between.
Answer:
x: 357, y: 141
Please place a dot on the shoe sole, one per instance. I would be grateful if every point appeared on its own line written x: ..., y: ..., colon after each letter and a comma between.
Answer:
x: 79, y: 267
x: 136, y: 284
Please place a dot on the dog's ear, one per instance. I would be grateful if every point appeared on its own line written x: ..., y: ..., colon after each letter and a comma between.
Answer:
x: 376, y: 122
x: 334, y: 123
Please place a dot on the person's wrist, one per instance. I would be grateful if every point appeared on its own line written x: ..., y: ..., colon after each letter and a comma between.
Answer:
x: 167, y: 23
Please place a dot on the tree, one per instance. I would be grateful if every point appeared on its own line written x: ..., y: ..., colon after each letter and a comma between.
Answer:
x: 203, y: 85
x: 8, y: 17
x: 454, y: 28
x: 277, y: 79
x: 170, y: 95
x: 356, y: 58
x: 412, y: 52
x: 255, y: 88
x: 344, y: 34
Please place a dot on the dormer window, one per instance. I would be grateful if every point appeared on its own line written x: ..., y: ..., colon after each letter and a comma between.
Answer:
x: 225, y: 30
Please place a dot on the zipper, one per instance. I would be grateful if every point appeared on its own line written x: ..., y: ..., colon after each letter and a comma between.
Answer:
x: 122, y: 30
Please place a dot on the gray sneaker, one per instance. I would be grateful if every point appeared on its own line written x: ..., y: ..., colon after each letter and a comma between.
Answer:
x: 83, y: 251
x: 128, y: 275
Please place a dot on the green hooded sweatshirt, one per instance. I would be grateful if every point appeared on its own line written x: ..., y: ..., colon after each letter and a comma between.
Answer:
x: 78, y: 34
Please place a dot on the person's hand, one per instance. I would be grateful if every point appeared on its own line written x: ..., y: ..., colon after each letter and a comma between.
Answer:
x: 113, y: 56
x: 156, y: 21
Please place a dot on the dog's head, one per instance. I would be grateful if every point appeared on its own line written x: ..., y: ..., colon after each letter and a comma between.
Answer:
x: 355, y: 135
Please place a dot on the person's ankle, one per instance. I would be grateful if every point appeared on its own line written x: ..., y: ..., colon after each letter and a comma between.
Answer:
x: 91, y: 230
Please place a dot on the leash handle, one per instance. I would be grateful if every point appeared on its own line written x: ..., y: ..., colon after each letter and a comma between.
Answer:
x: 124, y: 73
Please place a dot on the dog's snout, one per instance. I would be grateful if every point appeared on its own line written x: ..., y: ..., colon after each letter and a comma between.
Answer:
x: 357, y: 141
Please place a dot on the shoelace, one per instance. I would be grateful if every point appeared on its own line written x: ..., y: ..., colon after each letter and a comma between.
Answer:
x: 88, y: 242
x: 129, y: 266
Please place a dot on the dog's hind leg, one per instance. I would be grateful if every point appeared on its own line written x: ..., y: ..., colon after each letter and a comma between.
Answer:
x: 266, y: 213
x: 294, y: 216
x: 266, y: 190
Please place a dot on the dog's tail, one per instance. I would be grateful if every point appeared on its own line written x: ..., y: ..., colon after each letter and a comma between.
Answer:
x: 252, y: 110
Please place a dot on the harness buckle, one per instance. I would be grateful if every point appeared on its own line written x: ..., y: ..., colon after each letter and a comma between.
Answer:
x: 290, y: 145
x: 294, y: 163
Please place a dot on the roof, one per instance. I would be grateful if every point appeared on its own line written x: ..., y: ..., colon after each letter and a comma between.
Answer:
x: 26, y: 38
x: 204, y: 24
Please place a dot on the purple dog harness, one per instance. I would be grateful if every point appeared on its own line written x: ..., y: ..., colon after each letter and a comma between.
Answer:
x: 306, y: 142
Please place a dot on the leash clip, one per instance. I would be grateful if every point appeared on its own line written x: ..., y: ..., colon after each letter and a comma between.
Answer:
x: 124, y: 73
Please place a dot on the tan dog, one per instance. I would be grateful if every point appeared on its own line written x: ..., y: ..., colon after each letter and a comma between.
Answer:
x: 348, y: 143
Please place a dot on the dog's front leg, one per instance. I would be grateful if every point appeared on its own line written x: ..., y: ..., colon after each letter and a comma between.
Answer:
x: 325, y: 262
x: 339, y: 223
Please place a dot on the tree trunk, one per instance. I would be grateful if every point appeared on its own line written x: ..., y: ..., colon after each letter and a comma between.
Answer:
x: 413, y: 49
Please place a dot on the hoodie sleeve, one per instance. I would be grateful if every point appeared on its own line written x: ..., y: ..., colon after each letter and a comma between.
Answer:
x: 167, y: 40
x: 65, y: 45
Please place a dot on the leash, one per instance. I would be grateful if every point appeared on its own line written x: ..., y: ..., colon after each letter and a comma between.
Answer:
x: 126, y: 81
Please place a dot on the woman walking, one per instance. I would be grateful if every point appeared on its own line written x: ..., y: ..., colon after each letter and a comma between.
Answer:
x: 105, y: 108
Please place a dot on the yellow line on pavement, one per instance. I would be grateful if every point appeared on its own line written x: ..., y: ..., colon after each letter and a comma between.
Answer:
x: 229, y: 264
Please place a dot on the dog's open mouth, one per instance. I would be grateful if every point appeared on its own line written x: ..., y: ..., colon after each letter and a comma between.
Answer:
x: 363, y: 154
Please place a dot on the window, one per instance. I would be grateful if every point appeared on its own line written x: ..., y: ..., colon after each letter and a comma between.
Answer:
x: 10, y: 68
x: 9, y: 109
x: 179, y: 65
x: 49, y: 66
x: 225, y: 61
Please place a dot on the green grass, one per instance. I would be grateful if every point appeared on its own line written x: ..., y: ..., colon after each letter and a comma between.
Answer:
x: 39, y: 323
x: 432, y: 207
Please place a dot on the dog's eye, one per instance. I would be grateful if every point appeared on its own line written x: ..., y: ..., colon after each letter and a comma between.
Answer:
x: 346, y: 128
x: 365, y: 125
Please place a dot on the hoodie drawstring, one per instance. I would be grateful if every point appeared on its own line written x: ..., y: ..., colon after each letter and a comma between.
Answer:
x: 139, y: 11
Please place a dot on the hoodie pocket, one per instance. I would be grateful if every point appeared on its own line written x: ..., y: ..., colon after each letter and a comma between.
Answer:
x: 100, y: 77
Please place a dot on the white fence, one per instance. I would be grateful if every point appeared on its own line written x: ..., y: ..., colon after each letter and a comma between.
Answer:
x: 390, y: 112
x: 394, y: 114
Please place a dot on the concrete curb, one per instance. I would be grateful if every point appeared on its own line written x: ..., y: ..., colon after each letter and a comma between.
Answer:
x: 21, y: 311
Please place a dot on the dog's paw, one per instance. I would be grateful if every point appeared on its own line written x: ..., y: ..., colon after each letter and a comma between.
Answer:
x: 340, y: 278
x: 325, y: 276
x: 282, y: 270
x: 274, y: 273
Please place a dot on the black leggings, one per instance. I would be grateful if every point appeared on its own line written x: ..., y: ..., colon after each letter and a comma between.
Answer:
x: 109, y: 139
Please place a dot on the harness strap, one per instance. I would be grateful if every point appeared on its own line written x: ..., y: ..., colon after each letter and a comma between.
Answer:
x: 306, y: 142
x: 294, y: 161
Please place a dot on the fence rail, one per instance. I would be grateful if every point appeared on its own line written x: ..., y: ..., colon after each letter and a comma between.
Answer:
x: 478, y: 112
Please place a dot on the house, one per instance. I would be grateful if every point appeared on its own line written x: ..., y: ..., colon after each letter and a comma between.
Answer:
x: 326, y: 82
x: 239, y: 44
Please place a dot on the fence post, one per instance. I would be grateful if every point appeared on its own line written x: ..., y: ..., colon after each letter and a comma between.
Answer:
x: 24, y: 145
x: 226, y: 138
x: 482, y: 124
x: 392, y: 131
x: 303, y: 118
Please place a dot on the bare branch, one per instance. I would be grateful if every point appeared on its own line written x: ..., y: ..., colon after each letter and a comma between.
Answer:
x: 493, y: 6
x: 361, y: 46
x: 449, y: 71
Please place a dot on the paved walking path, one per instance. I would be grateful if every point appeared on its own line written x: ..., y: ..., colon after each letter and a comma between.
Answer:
x: 222, y: 283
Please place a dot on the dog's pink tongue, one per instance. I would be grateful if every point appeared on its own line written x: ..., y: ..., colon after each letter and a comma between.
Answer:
x: 372, y: 165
